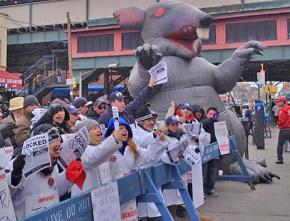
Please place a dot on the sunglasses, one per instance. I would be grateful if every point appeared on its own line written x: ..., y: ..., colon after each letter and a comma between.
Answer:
x: 104, y: 107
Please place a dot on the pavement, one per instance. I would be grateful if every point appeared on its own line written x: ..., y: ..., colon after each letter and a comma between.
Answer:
x: 269, y: 202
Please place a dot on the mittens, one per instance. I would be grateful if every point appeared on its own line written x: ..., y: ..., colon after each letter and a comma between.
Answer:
x: 18, y: 166
x: 75, y: 173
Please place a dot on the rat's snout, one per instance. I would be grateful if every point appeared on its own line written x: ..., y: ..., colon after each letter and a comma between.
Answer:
x: 205, y: 20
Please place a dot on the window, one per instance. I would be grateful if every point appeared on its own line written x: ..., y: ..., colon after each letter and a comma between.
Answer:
x: 261, y: 30
x: 212, y: 36
x: 131, y: 40
x: 96, y: 43
x: 288, y: 21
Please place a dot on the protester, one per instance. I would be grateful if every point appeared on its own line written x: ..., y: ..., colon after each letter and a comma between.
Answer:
x: 275, y: 111
x: 100, y: 106
x: 82, y: 105
x: 23, y: 124
x: 210, y: 168
x: 56, y: 116
x: 73, y: 117
x: 47, y: 181
x: 127, y: 111
x: 284, y: 126
x: 249, y: 112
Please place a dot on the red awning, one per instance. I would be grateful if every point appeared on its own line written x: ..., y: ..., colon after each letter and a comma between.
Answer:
x: 11, y: 80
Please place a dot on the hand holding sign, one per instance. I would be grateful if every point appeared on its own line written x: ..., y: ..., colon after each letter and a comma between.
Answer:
x: 115, y: 112
x: 159, y: 72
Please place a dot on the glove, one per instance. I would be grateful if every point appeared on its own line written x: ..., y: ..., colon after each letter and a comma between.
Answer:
x: 75, y: 173
x: 197, y: 150
x: 18, y: 166
x: 147, y: 56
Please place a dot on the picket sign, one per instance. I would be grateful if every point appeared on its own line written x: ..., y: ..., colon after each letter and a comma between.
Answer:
x: 211, y: 151
x: 142, y: 184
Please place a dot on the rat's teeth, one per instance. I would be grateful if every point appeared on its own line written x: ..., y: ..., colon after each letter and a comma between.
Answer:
x: 202, y: 33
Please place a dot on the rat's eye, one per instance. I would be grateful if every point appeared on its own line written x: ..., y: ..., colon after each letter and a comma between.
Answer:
x: 159, y: 12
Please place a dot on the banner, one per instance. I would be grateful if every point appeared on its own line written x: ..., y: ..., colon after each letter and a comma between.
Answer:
x: 37, y: 155
x: 6, y: 207
x: 74, y: 146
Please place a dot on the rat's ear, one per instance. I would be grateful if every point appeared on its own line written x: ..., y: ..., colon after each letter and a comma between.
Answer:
x: 130, y: 18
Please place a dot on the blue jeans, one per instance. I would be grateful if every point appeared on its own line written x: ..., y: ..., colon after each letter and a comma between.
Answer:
x: 209, y: 173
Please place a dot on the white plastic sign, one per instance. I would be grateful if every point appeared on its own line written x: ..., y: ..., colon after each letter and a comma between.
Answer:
x: 105, y: 202
x: 159, y: 72
x: 222, y: 136
x: 6, y: 206
x: 191, y: 156
x: 116, y: 117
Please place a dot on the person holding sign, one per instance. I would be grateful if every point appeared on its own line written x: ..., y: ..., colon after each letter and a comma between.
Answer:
x: 41, y: 189
x: 96, y: 156
x: 210, y: 168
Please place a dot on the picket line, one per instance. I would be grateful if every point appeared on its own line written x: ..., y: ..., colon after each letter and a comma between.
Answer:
x: 143, y: 185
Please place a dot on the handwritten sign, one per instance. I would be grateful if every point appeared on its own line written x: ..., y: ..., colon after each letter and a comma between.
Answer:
x: 74, y: 146
x: 5, y: 155
x: 37, y: 156
x: 222, y: 136
x: 6, y: 207
x: 159, y: 71
x: 105, y: 202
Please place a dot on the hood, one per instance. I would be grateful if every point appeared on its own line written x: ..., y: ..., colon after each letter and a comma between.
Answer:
x: 123, y: 122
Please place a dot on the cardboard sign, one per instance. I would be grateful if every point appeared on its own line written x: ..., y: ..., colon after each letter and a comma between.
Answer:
x: 36, y: 203
x: 222, y: 136
x: 159, y: 72
x: 74, y: 146
x: 5, y: 155
x: 37, y: 155
x: 6, y: 207
x: 105, y: 203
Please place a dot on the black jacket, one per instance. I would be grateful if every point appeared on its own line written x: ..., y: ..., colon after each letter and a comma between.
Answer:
x: 130, y: 108
x: 93, y: 115
x: 208, y: 126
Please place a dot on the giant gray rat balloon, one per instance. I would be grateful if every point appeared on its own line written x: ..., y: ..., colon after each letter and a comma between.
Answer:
x: 176, y: 28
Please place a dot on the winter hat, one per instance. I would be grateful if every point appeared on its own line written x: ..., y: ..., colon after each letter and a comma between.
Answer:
x: 123, y: 122
x: 54, y: 108
x: 143, y: 114
x: 81, y: 102
x: 101, y: 100
x: 30, y: 100
x: 16, y: 103
x: 53, y: 133
x: 72, y: 109
x: 88, y: 123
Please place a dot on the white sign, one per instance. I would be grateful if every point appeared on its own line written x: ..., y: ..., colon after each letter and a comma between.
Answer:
x: 38, y: 113
x: 193, y: 129
x: 197, y: 185
x: 6, y: 207
x: 105, y: 172
x: 222, y: 136
x: 191, y: 156
x: 69, y: 81
x: 261, y: 79
x: 37, y: 155
x: 5, y: 155
x: 74, y: 146
x: 36, y: 203
x: 105, y: 202
x: 116, y: 117
x: 159, y: 72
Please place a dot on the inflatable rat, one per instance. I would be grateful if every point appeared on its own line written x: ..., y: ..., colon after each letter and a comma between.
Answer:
x: 176, y: 28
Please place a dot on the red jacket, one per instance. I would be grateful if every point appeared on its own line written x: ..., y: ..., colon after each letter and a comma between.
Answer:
x: 284, y: 117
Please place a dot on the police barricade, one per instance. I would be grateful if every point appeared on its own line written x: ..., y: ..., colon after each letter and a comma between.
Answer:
x: 143, y: 185
x: 212, y: 151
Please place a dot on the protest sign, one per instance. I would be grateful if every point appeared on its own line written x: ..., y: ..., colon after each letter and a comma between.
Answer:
x: 38, y: 113
x: 105, y: 202
x: 159, y: 72
x: 197, y: 184
x: 74, y: 146
x: 115, y: 112
x: 193, y: 129
x: 36, y: 203
x: 37, y: 155
x: 222, y: 136
x: 5, y: 155
x: 6, y: 207
x: 191, y: 156
x: 105, y: 172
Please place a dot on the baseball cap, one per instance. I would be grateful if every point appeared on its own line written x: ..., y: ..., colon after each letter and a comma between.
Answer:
x: 116, y: 95
x: 101, y: 100
x: 72, y: 109
x: 281, y: 99
x: 171, y: 120
x: 81, y: 102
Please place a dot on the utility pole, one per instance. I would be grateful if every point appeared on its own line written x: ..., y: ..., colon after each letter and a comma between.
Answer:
x: 70, y: 73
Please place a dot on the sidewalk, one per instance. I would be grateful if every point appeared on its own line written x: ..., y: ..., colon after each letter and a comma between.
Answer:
x: 269, y: 202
